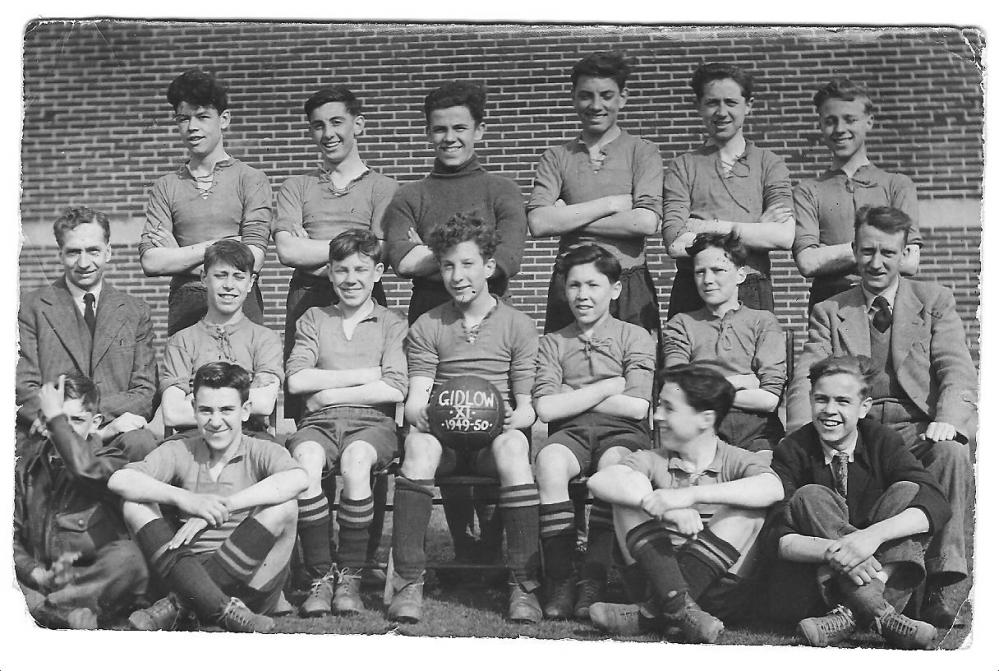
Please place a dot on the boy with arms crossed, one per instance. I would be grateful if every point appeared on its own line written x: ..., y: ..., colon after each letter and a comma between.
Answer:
x: 593, y: 386
x: 223, y: 334
x: 687, y: 514
x: 747, y: 345
x: 727, y: 186
x: 72, y: 556
x: 348, y: 362
x: 212, y: 196
x: 236, y: 494
x: 825, y: 208
x: 603, y: 187
x: 858, y: 510
x: 473, y: 334
x: 312, y: 209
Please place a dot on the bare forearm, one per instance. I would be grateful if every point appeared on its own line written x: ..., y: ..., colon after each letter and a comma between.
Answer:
x: 757, y: 491
x: 766, y: 235
x: 553, y: 220
x: 622, y: 405
x: 757, y: 400
x: 419, y: 262
x: 372, y: 393
x: 177, y: 408
x: 636, y: 223
x: 803, y: 549
x: 270, y: 491
x: 304, y: 253
x: 134, y: 486
x: 826, y: 260
x: 571, y: 403
x: 619, y: 485
x: 262, y: 399
x: 312, y: 380
x: 909, y: 522
x: 173, y: 260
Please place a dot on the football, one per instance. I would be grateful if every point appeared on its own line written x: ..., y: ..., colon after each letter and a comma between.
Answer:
x: 466, y: 413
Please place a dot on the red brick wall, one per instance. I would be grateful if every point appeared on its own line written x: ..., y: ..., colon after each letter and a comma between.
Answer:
x: 97, y: 129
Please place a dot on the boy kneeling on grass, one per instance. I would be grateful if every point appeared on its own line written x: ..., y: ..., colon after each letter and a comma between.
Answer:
x: 237, y: 500
x: 858, y: 512
x: 687, y: 515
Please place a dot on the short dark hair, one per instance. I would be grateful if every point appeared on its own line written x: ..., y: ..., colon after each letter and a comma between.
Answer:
x: 355, y: 241
x: 710, y: 72
x: 605, y: 64
x: 860, y: 367
x: 842, y: 88
x: 233, y: 252
x: 704, y: 387
x: 72, y: 217
x: 457, y: 94
x: 883, y: 218
x: 78, y: 385
x: 464, y: 227
x: 333, y: 94
x: 580, y: 255
x: 199, y: 88
x: 223, y: 375
x: 727, y: 242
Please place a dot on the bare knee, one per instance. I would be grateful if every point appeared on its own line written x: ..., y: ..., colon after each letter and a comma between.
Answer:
x: 358, y: 460
x: 279, y: 517
x: 510, y: 450
x: 422, y: 455
x: 138, y: 515
x: 311, y: 456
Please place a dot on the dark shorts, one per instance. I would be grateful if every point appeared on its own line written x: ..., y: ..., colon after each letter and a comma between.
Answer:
x: 753, y: 431
x: 755, y: 292
x: 337, y: 427
x: 471, y: 462
x: 637, y: 303
x: 304, y: 292
x: 262, y: 600
x: 187, y: 304
x: 591, y: 434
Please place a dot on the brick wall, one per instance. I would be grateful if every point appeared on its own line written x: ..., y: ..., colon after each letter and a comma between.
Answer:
x: 97, y: 127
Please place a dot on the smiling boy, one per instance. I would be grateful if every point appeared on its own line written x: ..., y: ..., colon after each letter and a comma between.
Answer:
x: 727, y: 186
x: 687, y: 515
x: 858, y: 510
x: 746, y: 344
x: 312, y: 209
x: 604, y: 187
x: 236, y: 494
x: 349, y: 365
x: 210, y: 197
x: 223, y: 334
x: 825, y: 207
x: 475, y: 333
x: 594, y: 382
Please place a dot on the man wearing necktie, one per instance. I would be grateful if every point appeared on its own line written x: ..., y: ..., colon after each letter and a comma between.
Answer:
x: 82, y: 324
x: 926, y: 385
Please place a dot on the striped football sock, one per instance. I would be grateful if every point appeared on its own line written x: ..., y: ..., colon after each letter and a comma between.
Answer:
x: 354, y: 517
x: 519, y: 509
x: 314, y: 535
x: 239, y: 557
x: 558, y: 538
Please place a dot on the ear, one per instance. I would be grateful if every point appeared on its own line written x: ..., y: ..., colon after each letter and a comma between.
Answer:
x: 741, y: 274
x: 246, y: 409
x: 707, y: 420
x: 869, y: 122
x: 624, y: 97
x: 490, y: 267
x: 379, y: 271
x: 865, y: 407
x: 749, y: 105
x: 480, y: 130
x: 224, y: 119
x: 204, y: 277
x: 616, y: 290
x: 359, y: 125
x: 95, y: 423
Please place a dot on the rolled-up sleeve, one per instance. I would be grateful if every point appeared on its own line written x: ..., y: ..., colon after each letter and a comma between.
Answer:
x: 421, y: 349
x: 676, y: 200
x: 178, y: 364
x: 158, y: 213
x: 524, y: 356
x: 806, y: 218
x: 398, y: 222
x: 394, y: 355
x: 776, y: 183
x: 647, y: 187
x: 547, y: 181
x: 255, y: 226
x: 289, y: 206
x: 639, y: 362
x: 770, y: 360
x: 305, y: 351
x: 268, y: 356
x: 511, y: 223
x: 677, y: 347
x: 548, y: 372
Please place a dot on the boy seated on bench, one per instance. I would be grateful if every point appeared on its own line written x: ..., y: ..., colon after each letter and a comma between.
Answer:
x: 746, y: 344
x: 228, y: 561
x: 858, y: 511
x: 687, y: 515
x: 593, y: 387
x: 349, y: 365
x: 223, y: 334
x: 475, y: 333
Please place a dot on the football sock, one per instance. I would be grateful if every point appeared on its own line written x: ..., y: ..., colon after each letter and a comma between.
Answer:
x: 456, y: 500
x: 600, y: 541
x: 519, y: 505
x: 354, y: 517
x: 239, y: 557
x: 704, y: 560
x: 180, y: 570
x: 650, y: 545
x: 558, y: 538
x: 411, y: 515
x: 636, y: 586
x: 314, y: 535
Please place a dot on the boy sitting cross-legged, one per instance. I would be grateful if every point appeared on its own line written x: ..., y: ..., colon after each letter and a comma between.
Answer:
x: 593, y: 387
x: 858, y: 511
x: 349, y: 365
x: 687, y: 515
x: 474, y: 333
x: 225, y: 333
x: 746, y: 344
x: 236, y: 496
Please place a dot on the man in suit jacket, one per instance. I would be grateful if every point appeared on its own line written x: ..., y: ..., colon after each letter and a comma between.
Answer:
x: 927, y: 391
x: 82, y: 324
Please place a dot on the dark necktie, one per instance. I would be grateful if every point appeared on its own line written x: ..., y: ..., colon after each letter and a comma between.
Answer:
x: 88, y: 312
x: 840, y: 464
x: 882, y: 314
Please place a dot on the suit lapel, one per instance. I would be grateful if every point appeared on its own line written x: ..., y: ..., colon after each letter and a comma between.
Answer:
x: 61, y: 314
x: 854, y: 328
x: 907, y: 324
x: 110, y: 319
